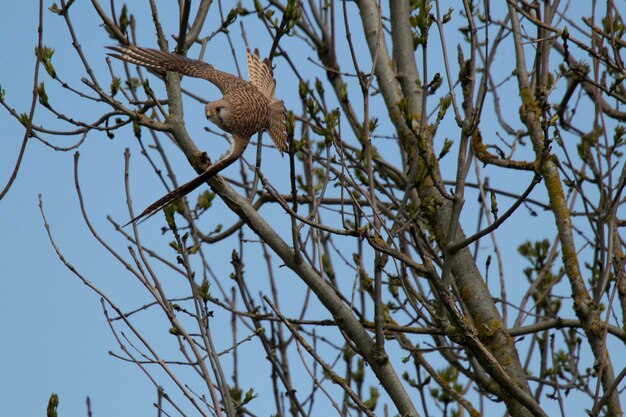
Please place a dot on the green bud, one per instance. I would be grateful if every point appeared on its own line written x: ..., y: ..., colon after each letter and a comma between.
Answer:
x: 44, y: 54
x: 53, y: 403
x: 43, y: 97
x: 115, y: 86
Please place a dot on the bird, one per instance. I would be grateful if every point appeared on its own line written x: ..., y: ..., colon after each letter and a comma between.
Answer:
x: 246, y: 107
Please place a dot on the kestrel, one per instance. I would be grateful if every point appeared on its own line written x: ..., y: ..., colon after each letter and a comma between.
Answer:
x: 245, y: 108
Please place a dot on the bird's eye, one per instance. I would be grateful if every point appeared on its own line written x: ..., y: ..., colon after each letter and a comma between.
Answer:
x: 218, y: 109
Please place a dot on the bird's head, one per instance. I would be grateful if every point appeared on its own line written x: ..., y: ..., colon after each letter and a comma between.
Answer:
x: 218, y: 112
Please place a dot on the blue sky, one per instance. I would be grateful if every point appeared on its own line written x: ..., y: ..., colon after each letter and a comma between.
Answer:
x: 55, y: 338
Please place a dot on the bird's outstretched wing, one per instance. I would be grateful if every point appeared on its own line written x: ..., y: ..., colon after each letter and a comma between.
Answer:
x: 238, y: 145
x: 166, y: 61
x: 261, y: 76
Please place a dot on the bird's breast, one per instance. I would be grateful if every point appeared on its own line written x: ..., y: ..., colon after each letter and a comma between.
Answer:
x: 250, y: 111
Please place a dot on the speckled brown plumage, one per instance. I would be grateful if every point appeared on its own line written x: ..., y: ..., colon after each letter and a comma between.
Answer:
x: 246, y: 107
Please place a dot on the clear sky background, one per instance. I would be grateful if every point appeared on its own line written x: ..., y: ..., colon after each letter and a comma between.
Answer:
x: 53, y: 334
x: 54, y: 338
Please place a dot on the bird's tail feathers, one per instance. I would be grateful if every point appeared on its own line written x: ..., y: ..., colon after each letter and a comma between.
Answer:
x: 277, y: 126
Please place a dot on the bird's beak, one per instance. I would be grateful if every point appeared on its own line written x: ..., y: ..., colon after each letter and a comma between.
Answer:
x: 209, y: 113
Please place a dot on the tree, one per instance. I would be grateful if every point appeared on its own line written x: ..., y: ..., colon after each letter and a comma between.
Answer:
x: 360, y: 268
